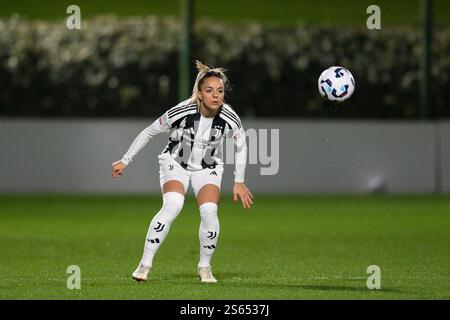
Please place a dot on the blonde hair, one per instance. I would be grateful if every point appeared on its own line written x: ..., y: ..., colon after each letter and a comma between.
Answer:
x: 205, y: 72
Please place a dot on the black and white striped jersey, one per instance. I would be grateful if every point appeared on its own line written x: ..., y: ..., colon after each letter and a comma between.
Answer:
x: 196, y: 142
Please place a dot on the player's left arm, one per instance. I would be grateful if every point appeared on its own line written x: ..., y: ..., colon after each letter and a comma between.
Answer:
x: 240, y: 190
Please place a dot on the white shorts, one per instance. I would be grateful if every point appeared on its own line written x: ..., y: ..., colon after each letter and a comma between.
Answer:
x: 169, y: 169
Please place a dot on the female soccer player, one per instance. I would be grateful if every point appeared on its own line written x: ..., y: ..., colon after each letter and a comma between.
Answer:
x: 198, y: 127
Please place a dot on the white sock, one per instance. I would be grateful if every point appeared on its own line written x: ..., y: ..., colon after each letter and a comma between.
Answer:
x: 208, y: 232
x: 160, y: 225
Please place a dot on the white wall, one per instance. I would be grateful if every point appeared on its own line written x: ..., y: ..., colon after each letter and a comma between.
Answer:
x: 60, y: 156
x: 443, y: 137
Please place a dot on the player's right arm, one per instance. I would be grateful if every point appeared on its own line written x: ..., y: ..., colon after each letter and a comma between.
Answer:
x: 162, y: 124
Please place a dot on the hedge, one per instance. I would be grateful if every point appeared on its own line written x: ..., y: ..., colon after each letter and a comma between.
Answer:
x: 128, y: 67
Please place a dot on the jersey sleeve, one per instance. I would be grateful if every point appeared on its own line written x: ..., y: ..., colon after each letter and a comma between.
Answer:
x: 240, y: 143
x: 164, y: 123
x: 161, y: 125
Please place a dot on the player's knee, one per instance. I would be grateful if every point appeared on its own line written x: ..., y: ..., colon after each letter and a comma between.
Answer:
x: 208, y: 214
x: 172, y: 205
x: 208, y: 209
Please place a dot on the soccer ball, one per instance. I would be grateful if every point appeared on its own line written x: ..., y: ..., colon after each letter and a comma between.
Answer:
x: 336, y: 84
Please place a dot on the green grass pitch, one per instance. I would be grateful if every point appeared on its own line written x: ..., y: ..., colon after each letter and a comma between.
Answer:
x: 290, y: 247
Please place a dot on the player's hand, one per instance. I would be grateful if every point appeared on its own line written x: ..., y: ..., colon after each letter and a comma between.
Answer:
x: 117, y: 168
x: 244, y: 194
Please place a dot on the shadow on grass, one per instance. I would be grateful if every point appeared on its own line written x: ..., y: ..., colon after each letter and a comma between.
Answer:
x: 221, y: 275
x: 346, y: 288
x: 240, y: 280
x: 317, y: 287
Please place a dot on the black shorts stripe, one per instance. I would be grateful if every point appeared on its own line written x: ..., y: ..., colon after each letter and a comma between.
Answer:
x: 230, y: 115
x: 187, y: 110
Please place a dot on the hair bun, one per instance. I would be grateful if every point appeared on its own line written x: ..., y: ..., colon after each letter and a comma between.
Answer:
x: 201, y: 67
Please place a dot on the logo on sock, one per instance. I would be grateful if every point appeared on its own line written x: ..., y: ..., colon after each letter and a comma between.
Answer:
x: 210, y: 247
x: 159, y: 227
x: 211, y: 235
x: 156, y: 240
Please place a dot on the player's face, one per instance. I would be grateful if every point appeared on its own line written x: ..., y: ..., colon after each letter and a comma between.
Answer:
x: 212, y: 93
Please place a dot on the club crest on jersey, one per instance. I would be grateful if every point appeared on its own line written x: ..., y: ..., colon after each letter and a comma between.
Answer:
x: 215, y: 133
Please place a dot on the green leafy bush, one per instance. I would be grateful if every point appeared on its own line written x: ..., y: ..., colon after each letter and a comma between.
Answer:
x: 128, y: 67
